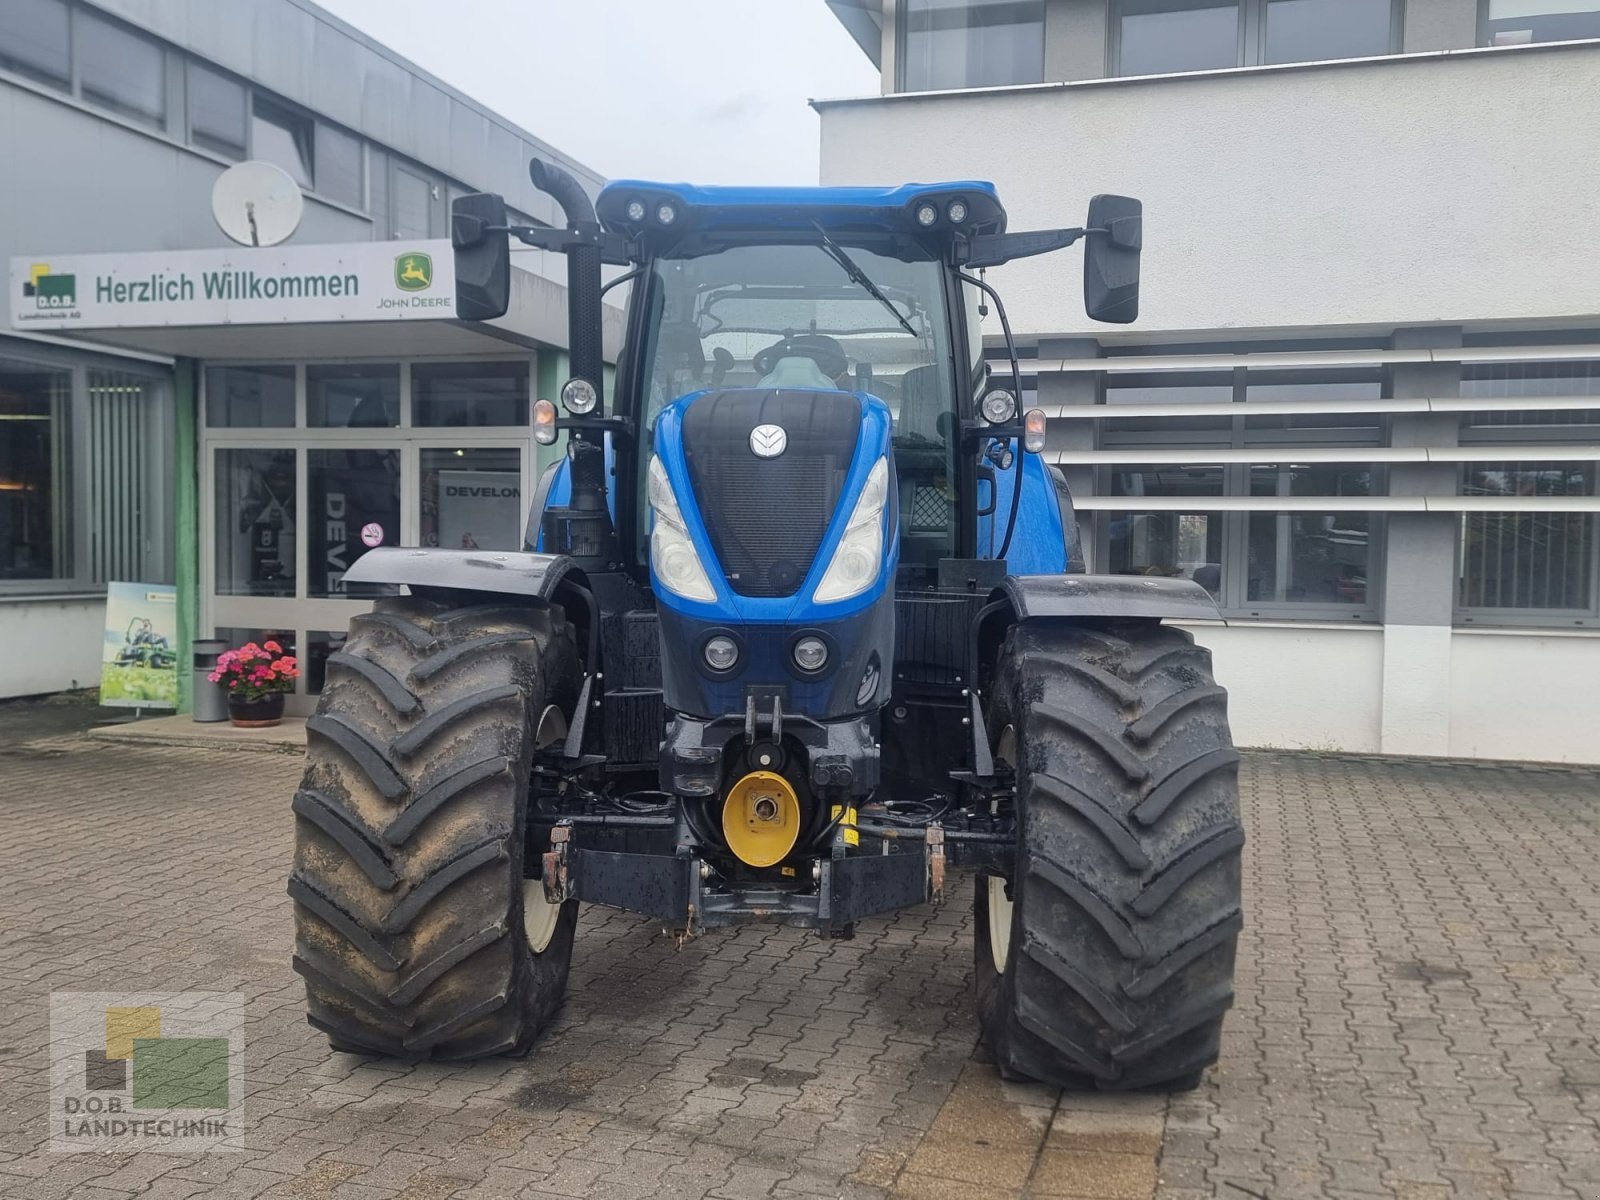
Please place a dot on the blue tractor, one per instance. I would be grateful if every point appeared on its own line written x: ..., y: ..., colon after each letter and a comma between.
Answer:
x: 800, y: 625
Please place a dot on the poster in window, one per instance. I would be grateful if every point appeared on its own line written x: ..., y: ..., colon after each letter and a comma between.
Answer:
x: 480, y: 510
x: 355, y: 506
x: 139, y: 652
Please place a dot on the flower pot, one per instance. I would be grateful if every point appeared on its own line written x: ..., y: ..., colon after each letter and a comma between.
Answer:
x: 256, y: 714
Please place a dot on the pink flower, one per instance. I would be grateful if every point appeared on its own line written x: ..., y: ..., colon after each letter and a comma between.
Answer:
x: 272, y: 648
x: 215, y: 677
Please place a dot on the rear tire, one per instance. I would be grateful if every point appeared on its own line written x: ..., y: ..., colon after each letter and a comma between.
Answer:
x: 408, y: 881
x: 1118, y: 956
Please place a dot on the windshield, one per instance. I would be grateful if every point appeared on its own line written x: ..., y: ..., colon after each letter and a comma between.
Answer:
x: 827, y: 313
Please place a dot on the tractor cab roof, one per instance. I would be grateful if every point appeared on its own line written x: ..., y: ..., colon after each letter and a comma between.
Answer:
x: 661, y: 213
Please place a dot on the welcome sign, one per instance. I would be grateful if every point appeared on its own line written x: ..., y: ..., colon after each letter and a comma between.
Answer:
x: 360, y: 281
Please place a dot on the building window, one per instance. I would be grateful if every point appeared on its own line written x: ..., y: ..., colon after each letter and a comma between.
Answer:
x: 471, y: 498
x: 250, y: 397
x: 1564, y: 381
x: 1309, y: 558
x: 255, y: 526
x: 35, y: 530
x: 1165, y: 543
x: 1533, y: 563
x: 219, y: 118
x: 1519, y: 22
x: 283, y: 137
x: 339, y: 174
x: 454, y: 395
x: 972, y: 43
x: 412, y: 200
x: 354, y: 496
x: 34, y: 40
x: 120, y: 70
x: 1255, y: 562
x: 1159, y: 37
x: 1313, y: 30
x: 361, y: 396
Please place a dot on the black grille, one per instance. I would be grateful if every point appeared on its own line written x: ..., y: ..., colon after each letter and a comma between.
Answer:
x: 766, y: 516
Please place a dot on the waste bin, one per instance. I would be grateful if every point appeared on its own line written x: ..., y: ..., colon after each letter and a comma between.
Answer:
x: 210, y: 699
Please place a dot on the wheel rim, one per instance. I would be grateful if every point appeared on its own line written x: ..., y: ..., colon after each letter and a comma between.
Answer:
x: 539, y: 916
x: 1002, y: 907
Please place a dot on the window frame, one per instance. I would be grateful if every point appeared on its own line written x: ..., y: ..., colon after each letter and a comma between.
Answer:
x: 1252, y: 43
x: 1233, y: 603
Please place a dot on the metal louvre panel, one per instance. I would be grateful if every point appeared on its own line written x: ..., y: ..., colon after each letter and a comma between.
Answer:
x: 766, y: 517
x: 118, y: 486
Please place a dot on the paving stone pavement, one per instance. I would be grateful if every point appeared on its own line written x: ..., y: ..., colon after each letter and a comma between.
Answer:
x: 1419, y: 1004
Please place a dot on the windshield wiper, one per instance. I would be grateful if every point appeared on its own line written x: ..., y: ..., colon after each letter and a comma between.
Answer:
x: 859, y: 277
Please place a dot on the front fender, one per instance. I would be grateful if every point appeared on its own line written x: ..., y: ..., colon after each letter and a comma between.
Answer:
x: 1036, y: 597
x: 508, y: 572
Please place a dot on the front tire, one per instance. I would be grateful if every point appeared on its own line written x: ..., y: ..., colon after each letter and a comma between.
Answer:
x: 1107, y: 961
x: 415, y: 928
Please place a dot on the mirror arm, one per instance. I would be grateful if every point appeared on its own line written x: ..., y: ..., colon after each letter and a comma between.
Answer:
x: 996, y: 249
x: 1016, y: 390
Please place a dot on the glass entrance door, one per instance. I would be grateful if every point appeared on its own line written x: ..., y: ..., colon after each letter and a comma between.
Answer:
x: 309, y: 467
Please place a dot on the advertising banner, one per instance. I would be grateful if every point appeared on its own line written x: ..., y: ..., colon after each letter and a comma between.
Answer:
x: 241, y: 285
x: 139, y: 654
x: 480, y: 510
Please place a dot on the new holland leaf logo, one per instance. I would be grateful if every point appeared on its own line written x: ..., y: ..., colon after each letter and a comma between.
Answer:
x: 413, y: 272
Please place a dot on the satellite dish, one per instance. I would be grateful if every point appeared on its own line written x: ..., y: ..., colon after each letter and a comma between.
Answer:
x: 257, y: 203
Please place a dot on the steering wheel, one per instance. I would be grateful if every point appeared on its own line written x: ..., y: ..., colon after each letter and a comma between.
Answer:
x: 823, y: 351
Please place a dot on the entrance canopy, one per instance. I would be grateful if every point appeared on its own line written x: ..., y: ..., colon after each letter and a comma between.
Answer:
x: 362, y: 299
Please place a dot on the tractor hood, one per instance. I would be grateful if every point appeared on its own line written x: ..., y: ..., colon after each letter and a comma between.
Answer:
x: 775, y: 518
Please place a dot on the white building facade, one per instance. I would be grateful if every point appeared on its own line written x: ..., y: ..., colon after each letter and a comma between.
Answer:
x: 1362, y: 401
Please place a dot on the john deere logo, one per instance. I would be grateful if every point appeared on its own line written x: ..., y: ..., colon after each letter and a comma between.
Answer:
x: 413, y: 272
x: 52, y: 291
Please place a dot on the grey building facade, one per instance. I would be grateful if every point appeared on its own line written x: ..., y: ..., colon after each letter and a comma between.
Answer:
x: 1362, y: 402
x: 238, y: 457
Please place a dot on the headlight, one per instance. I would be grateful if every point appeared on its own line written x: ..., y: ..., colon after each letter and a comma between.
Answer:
x: 811, y: 654
x: 721, y: 653
x: 998, y: 406
x: 673, y: 559
x: 579, y: 396
x: 859, y: 556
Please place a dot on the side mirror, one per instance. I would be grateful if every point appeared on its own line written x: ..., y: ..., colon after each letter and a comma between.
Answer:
x: 1111, y: 259
x: 483, y: 256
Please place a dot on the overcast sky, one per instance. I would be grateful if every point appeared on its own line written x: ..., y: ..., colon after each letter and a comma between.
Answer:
x: 704, y: 91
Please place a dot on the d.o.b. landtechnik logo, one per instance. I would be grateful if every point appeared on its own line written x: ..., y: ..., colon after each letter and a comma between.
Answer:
x: 50, y: 293
x: 145, y: 1071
